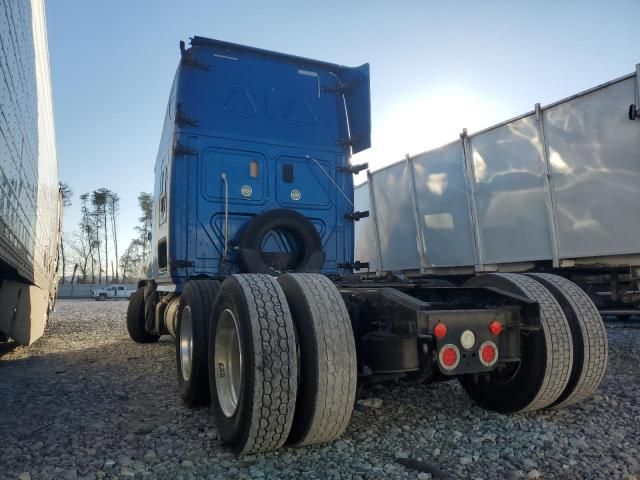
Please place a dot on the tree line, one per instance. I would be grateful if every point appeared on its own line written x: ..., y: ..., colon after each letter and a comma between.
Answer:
x: 87, y: 248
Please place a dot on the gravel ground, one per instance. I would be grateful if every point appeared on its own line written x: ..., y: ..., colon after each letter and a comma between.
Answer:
x: 86, y: 402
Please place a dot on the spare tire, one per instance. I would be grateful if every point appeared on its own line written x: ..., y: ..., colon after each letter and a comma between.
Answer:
x: 299, y: 231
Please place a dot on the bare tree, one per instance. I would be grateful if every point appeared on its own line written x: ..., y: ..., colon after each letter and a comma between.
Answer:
x: 99, y: 200
x: 73, y: 276
x: 81, y: 247
x: 96, y: 228
x: 67, y: 194
x: 88, y: 235
x: 131, y: 260
x: 145, y: 201
x: 113, y: 209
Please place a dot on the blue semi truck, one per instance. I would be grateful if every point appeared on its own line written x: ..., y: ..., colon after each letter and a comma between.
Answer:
x: 252, y: 267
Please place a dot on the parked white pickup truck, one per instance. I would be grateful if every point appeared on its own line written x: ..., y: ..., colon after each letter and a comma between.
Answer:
x: 114, y: 292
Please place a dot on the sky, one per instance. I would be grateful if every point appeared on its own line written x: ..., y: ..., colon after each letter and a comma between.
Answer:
x: 436, y: 67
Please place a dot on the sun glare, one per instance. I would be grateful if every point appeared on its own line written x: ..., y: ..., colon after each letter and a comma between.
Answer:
x: 424, y: 121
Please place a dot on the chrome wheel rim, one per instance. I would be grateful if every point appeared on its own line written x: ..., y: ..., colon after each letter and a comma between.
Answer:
x: 186, y: 343
x: 228, y: 363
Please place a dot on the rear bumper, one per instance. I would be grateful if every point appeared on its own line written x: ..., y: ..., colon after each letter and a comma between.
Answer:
x: 394, y: 327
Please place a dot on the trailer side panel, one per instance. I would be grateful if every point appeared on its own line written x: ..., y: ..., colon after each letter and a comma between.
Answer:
x: 29, y: 192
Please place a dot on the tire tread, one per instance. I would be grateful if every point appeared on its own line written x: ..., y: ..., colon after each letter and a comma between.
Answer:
x: 559, y: 344
x: 594, y: 339
x: 336, y: 362
x: 275, y: 365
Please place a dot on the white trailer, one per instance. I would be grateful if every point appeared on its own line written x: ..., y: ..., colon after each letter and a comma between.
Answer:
x: 30, y: 205
x: 555, y: 189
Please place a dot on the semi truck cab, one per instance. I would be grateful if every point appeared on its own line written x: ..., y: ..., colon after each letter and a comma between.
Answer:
x: 247, y: 132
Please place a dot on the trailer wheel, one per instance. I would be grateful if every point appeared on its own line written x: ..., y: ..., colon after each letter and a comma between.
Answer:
x: 327, y: 358
x: 252, y: 363
x: 192, y: 334
x: 590, y: 349
x: 546, y: 355
x: 135, y: 319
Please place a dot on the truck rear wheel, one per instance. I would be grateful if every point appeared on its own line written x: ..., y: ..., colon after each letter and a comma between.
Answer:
x: 150, y: 301
x: 327, y: 358
x: 192, y: 332
x: 543, y: 372
x: 589, y: 336
x: 135, y: 319
x: 252, y: 363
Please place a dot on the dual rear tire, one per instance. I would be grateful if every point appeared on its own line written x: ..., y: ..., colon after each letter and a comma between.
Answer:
x: 588, y: 335
x: 561, y: 364
x: 136, y: 319
x: 252, y: 364
x: 279, y: 357
x: 282, y: 363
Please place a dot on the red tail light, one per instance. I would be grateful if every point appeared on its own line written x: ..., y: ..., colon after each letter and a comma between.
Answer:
x: 440, y: 330
x: 488, y: 353
x: 449, y: 356
x: 495, y: 328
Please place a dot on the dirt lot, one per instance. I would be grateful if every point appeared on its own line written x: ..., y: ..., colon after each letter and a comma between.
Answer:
x: 86, y: 402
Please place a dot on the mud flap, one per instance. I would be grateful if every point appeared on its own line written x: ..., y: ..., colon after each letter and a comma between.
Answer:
x: 23, y: 311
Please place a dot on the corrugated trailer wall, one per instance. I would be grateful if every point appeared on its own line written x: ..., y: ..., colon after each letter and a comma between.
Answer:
x: 29, y: 207
x: 29, y: 193
x: 558, y: 184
